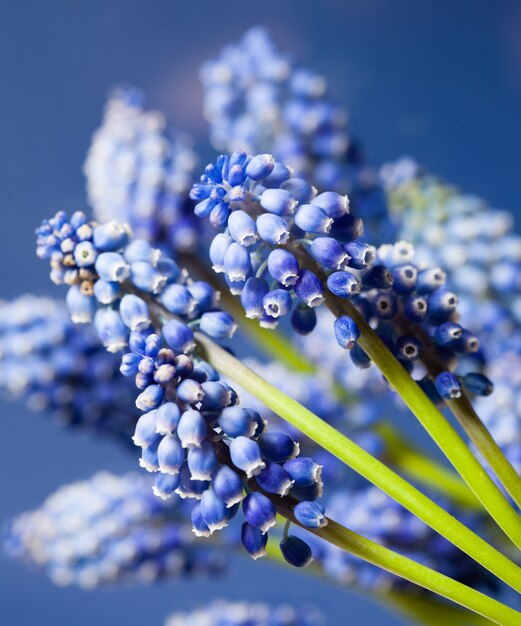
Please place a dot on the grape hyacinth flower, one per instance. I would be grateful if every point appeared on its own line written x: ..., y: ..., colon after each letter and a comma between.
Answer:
x: 317, y: 254
x: 222, y: 612
x: 109, y: 530
x: 139, y: 171
x: 196, y: 438
x: 61, y: 368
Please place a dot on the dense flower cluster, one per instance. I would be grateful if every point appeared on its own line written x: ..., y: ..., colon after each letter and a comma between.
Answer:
x: 139, y: 171
x: 109, y: 530
x: 226, y: 613
x: 194, y: 436
x: 57, y: 367
x: 473, y: 242
x: 275, y: 225
x: 367, y: 510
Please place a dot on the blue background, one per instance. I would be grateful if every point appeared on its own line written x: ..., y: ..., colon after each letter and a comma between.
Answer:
x: 437, y: 80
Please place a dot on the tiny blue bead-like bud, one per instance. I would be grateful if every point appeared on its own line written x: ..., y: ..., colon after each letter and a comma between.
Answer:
x: 252, y: 296
x: 362, y: 254
x: 227, y: 484
x: 408, y: 348
x: 384, y: 305
x: 312, y: 219
x: 304, y: 471
x: 111, y: 329
x: 165, y: 485
x: 218, y: 248
x: 204, y: 208
x: 478, y: 384
x: 404, y: 277
x: 303, y: 319
x: 134, y: 313
x: 260, y: 166
x: 203, y: 294
x: 237, y: 262
x: 329, y: 253
x: 112, y: 267
x: 235, y: 286
x: 146, y: 277
x: 467, y: 343
x: 448, y: 386
x: 190, y: 391
x: 130, y: 364
x: 347, y: 332
x: 296, y: 551
x: 277, y: 177
x: 246, y: 455
x: 236, y: 175
x: 442, y: 304
x: 170, y: 455
x: 273, y: 228
x: 152, y: 345
x: 141, y: 250
x: 242, y: 228
x: 359, y: 357
x: 254, y: 540
x: 178, y: 336
x: 236, y: 421
x: 200, y: 191
x: 106, y: 292
x: 430, y: 279
x: 110, y: 236
x: 300, y: 189
x: 85, y: 254
x: 199, y: 526
x: 82, y: 307
x: 216, y: 396
x: 202, y: 461
x: 278, y: 447
x: 217, y: 324
x: 283, y: 267
x: 189, y: 488
x: 377, y: 277
x: 448, y: 333
x: 347, y: 228
x: 429, y: 388
x: 148, y: 458
x: 343, y: 284
x: 167, y: 418
x: 192, y: 429
x: 416, y: 308
x: 145, y: 433
x: 309, y: 288
x: 310, y: 514
x: 274, y: 479
x: 177, y: 299
x: 213, y: 511
x: 334, y: 204
x: 278, y: 201
x: 277, y: 303
x: 259, y: 511
x: 150, y: 398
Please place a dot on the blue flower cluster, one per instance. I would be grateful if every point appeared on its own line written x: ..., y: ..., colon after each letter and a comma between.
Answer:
x: 474, y: 243
x: 57, y: 367
x: 194, y: 436
x: 139, y: 171
x: 368, y: 511
x: 227, y: 613
x: 285, y: 250
x: 109, y: 530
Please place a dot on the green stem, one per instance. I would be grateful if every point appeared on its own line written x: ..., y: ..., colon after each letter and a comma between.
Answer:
x: 414, y: 572
x: 431, y: 418
x: 362, y: 462
x: 400, y: 453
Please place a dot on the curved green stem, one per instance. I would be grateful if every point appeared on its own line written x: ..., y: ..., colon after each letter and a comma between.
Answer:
x: 362, y: 462
x: 414, y: 572
x: 431, y: 418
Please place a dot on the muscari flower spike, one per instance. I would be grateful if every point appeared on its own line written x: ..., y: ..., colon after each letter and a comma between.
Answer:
x: 109, y: 530
x: 140, y: 171
x: 61, y: 368
x: 405, y: 302
x: 193, y: 434
x: 238, y: 613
